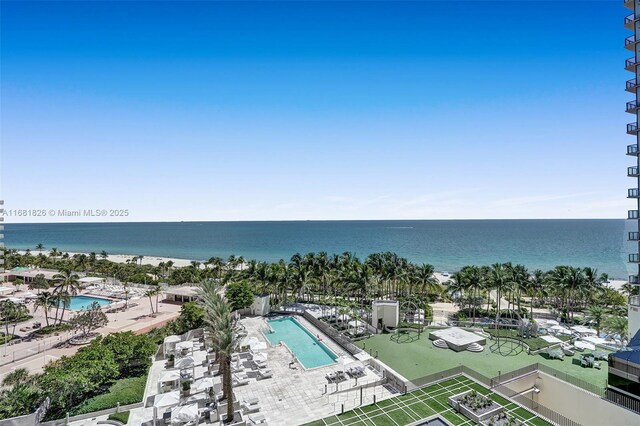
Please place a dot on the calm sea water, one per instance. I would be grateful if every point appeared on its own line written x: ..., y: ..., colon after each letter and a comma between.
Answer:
x: 447, y: 244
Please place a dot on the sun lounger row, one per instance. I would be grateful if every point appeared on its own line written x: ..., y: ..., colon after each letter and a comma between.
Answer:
x: 336, y: 377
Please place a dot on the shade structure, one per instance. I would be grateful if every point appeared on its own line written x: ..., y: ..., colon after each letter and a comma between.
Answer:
x: 170, y: 376
x: 256, y: 344
x: 551, y: 339
x: 260, y: 357
x: 29, y: 295
x: 184, y: 414
x: 206, y: 383
x: 560, y: 329
x: 168, y: 399
x: 187, y: 344
x: 186, y: 362
x: 585, y: 345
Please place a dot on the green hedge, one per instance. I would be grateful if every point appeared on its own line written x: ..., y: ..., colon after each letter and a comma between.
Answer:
x: 124, y: 391
x: 122, y: 417
x: 49, y: 329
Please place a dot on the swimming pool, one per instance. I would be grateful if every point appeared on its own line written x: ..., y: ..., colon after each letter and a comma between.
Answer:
x: 308, y: 350
x: 79, y: 303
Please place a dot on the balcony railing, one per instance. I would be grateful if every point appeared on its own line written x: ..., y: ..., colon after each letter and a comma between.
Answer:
x: 632, y: 85
x: 632, y: 149
x: 633, y: 279
x: 633, y: 193
x: 632, y: 107
x: 630, y: 64
x: 634, y: 236
x: 632, y: 128
x: 628, y: 4
x: 633, y: 171
x: 630, y: 42
x: 634, y: 300
x: 634, y: 258
x: 632, y: 214
x: 629, y: 20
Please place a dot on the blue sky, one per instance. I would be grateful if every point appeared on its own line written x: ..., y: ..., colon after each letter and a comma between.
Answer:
x: 319, y: 110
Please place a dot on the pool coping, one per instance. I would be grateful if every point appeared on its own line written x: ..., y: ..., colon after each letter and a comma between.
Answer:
x: 306, y: 330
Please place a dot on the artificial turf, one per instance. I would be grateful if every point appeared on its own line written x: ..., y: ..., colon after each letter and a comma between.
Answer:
x: 423, y: 403
x: 418, y: 357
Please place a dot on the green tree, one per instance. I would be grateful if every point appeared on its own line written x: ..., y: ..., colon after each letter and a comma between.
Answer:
x: 594, y: 316
x: 239, y: 294
x: 39, y: 282
x: 617, y: 325
x: 89, y: 320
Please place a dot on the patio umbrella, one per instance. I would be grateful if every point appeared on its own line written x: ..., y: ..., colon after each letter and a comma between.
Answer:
x: 206, y: 383
x: 168, y: 399
x: 585, y: 345
x: 186, y: 362
x: 184, y: 414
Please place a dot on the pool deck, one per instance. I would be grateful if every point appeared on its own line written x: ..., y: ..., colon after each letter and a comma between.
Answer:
x: 292, y: 397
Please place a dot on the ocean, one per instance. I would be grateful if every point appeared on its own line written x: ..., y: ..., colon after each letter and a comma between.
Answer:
x: 446, y: 244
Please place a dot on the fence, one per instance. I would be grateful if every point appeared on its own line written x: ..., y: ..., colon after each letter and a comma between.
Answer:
x: 333, y: 334
x: 94, y: 414
x: 442, y: 375
x: 589, y: 387
x: 26, y: 352
x: 625, y: 401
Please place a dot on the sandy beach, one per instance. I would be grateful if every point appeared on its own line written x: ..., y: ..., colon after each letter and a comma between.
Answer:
x: 122, y: 258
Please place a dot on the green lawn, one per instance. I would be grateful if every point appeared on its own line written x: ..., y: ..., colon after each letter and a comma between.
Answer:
x: 414, y: 358
x: 424, y: 403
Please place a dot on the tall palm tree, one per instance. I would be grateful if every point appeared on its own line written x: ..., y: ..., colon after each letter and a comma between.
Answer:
x: 617, y: 325
x: 501, y: 282
x: 222, y: 328
x: 40, y: 247
x: 43, y: 301
x: 66, y: 284
x: 104, y: 255
x: 54, y: 254
x: 595, y: 315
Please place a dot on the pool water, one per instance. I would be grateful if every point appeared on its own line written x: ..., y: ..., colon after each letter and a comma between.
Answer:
x: 308, y: 350
x: 79, y: 303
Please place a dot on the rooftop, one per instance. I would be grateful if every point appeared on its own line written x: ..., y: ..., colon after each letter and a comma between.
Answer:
x: 415, y: 357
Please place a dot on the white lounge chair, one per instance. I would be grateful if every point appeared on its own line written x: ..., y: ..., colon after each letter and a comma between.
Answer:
x: 264, y: 374
x: 257, y: 419
x: 250, y: 408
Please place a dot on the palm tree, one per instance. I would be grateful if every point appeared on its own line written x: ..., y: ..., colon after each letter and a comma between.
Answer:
x: 16, y: 377
x: 43, y: 301
x: 54, y: 253
x: 617, y: 325
x: 39, y: 282
x: 536, y: 283
x: 104, y: 254
x: 501, y: 282
x: 595, y: 316
x: 219, y: 320
x: 153, y: 291
x: 67, y: 284
x: 40, y: 247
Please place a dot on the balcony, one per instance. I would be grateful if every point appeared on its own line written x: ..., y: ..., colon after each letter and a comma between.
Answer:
x: 634, y: 258
x: 628, y: 4
x: 634, y: 236
x: 630, y: 64
x: 629, y: 22
x: 633, y: 193
x: 634, y: 300
x: 633, y: 279
x: 633, y: 171
x: 632, y: 214
x: 632, y: 107
x: 630, y: 43
x: 632, y: 86
x: 632, y: 128
x: 632, y: 149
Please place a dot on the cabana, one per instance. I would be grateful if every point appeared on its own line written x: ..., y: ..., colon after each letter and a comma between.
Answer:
x: 184, y: 414
x: 169, y: 345
x: 169, y: 381
x: 164, y: 401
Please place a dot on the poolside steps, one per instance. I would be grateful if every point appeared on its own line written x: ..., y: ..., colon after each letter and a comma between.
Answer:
x: 440, y: 343
x: 475, y: 347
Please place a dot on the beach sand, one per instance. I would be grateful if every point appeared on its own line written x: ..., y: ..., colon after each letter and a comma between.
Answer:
x: 122, y: 258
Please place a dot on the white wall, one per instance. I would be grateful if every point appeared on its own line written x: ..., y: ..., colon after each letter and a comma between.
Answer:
x: 574, y: 403
x: 634, y: 320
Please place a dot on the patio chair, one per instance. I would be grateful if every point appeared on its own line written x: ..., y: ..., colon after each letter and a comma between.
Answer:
x: 264, y: 374
x: 258, y: 419
x: 237, y: 381
x: 247, y: 409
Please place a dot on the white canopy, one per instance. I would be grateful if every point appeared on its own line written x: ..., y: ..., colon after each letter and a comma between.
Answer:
x: 3, y: 289
x: 186, y: 362
x: 29, y: 295
x: 548, y: 322
x: 172, y: 339
x: 168, y: 399
x: 184, y: 413
x: 187, y: 344
x: 170, y: 376
x: 585, y: 345
x: 206, y: 383
x: 255, y: 344
x: 560, y: 329
x: 551, y: 339
x: 260, y: 357
x: 584, y: 330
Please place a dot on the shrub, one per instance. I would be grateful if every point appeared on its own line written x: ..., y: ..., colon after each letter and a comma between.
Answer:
x: 49, y: 329
x: 122, y: 417
x: 124, y: 391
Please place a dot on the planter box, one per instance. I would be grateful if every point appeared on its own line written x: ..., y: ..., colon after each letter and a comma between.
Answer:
x: 477, y: 416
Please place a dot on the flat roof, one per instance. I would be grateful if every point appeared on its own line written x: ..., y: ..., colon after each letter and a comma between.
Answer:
x: 182, y: 291
x: 457, y: 336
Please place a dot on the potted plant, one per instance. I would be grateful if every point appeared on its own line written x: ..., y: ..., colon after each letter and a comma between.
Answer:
x: 186, y: 387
